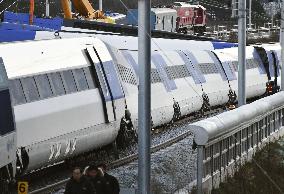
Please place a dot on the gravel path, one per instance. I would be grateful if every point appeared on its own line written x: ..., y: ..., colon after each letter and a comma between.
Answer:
x: 171, y: 169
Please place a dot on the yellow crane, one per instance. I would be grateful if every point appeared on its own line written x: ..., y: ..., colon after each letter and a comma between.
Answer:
x: 85, y: 9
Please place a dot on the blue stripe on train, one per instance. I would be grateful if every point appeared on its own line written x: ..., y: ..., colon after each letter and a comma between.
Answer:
x: 261, y: 65
x: 192, y: 66
x: 130, y: 60
x: 103, y: 83
x: 160, y: 64
x: 218, y: 65
x: 271, y: 63
x: 113, y: 81
x: 223, y: 45
x: 227, y: 65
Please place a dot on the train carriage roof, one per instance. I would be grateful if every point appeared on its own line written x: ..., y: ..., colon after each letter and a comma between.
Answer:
x: 37, y: 57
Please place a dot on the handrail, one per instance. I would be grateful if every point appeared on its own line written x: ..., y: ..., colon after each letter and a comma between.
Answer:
x: 228, y: 140
x: 219, y: 125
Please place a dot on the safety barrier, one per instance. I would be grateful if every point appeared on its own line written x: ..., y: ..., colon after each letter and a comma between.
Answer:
x: 228, y: 140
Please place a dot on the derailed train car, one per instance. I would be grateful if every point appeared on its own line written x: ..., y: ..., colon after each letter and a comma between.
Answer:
x: 71, y: 96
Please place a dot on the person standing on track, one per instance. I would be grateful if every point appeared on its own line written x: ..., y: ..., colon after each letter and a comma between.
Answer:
x: 78, y: 184
x: 97, y: 180
x: 111, y: 184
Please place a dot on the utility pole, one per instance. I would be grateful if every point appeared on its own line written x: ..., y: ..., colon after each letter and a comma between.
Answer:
x: 234, y: 8
x: 47, y: 8
x: 144, y: 97
x: 282, y: 45
x: 242, y: 53
x: 200, y: 149
x: 250, y: 4
x: 101, y: 5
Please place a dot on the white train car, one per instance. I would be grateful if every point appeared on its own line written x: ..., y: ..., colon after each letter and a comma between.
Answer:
x: 8, y: 141
x: 61, y: 97
x: 70, y: 96
x: 273, y: 52
x: 256, y: 77
x: 184, y: 76
x: 131, y: 42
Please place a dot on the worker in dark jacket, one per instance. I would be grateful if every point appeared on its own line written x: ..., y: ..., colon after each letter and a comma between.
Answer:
x: 78, y: 184
x: 111, y: 183
x: 97, y: 179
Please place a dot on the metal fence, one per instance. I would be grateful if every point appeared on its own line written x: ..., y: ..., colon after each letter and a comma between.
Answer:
x: 228, y: 140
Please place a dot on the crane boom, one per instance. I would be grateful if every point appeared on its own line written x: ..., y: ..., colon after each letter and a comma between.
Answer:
x: 66, y: 9
x: 32, y: 8
x: 83, y: 7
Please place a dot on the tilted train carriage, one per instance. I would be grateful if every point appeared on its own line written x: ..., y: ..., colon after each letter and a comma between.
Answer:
x: 69, y: 96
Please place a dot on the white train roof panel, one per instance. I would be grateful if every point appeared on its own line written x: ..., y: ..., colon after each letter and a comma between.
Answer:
x: 202, y: 56
x: 172, y: 58
x: 131, y: 43
x: 163, y: 11
x: 36, y: 57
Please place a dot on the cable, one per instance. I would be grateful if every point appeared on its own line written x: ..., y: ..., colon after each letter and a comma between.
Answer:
x: 1, y: 1
x: 16, y: 1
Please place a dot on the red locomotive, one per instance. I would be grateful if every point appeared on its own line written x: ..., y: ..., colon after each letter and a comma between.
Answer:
x: 180, y: 17
x: 190, y: 17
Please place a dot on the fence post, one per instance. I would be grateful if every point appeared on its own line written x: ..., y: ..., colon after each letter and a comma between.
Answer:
x: 199, y: 168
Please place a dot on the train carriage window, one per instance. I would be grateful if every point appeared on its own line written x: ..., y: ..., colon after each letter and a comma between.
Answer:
x: 43, y: 86
x: 90, y: 77
x: 68, y: 81
x: 6, y: 114
x: 56, y: 84
x: 80, y: 79
x: 17, y: 92
x: 30, y: 89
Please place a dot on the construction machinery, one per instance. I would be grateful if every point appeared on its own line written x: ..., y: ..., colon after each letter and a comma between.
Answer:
x: 31, y: 12
x: 85, y: 10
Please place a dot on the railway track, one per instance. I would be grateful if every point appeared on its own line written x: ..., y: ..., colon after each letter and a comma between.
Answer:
x: 128, y: 159
x: 115, y: 164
